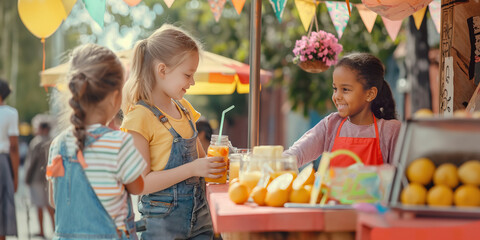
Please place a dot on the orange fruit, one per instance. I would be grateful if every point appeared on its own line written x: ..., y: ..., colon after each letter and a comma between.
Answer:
x: 278, y: 190
x: 469, y: 172
x: 258, y: 195
x: 238, y: 193
x: 305, y: 177
x: 446, y: 174
x: 467, y: 196
x: 421, y: 171
x: 423, y: 113
x: 301, y: 195
x: 440, y: 195
x: 414, y: 194
x: 235, y: 180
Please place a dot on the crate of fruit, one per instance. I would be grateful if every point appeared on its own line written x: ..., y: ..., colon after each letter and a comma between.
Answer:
x: 438, y: 168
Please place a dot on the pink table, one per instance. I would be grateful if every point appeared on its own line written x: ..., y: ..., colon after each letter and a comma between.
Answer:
x: 230, y: 217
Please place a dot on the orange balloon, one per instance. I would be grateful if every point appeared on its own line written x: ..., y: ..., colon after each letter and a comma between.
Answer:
x: 41, y: 17
x: 132, y: 3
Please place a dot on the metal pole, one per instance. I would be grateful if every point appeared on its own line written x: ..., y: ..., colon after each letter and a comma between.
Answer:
x: 254, y: 96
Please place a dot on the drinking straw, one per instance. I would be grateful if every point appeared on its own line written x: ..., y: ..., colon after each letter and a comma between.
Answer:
x: 221, y: 123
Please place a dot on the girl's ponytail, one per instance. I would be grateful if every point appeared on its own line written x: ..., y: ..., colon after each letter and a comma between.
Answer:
x: 139, y: 70
x: 383, y: 106
x: 370, y: 72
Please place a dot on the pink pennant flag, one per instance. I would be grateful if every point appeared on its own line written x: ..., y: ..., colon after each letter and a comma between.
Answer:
x: 217, y: 8
x: 368, y: 16
x: 339, y: 14
x: 393, y: 27
x: 435, y: 9
x: 169, y: 2
x: 238, y: 4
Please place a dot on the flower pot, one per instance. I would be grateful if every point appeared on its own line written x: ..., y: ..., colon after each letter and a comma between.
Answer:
x: 315, y: 66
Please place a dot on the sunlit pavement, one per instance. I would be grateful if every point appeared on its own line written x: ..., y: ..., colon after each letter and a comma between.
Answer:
x: 27, y: 220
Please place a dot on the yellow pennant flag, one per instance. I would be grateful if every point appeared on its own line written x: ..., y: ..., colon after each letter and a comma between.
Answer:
x: 418, y: 17
x: 368, y: 16
x: 306, y: 10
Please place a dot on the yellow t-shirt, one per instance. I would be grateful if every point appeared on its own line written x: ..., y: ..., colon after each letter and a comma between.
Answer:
x: 141, y: 120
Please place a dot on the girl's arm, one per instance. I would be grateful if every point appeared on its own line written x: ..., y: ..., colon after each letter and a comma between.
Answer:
x: 159, y: 180
x: 310, y: 146
x: 201, y: 151
x: 136, y: 187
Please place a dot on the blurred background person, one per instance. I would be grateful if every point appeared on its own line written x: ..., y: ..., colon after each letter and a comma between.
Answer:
x: 9, y: 161
x: 205, y: 132
x: 35, y: 173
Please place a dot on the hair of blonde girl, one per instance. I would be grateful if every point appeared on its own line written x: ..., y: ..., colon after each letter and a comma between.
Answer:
x: 95, y: 71
x: 169, y: 45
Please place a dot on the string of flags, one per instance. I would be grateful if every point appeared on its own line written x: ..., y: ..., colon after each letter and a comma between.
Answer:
x: 339, y: 12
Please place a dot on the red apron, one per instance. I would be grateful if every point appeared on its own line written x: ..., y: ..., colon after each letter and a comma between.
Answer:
x: 368, y: 149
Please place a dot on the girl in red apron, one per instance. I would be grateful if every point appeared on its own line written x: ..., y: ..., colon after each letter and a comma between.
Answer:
x: 365, y: 122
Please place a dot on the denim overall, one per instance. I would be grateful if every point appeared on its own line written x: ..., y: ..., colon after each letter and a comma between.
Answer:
x: 180, y: 211
x: 79, y: 213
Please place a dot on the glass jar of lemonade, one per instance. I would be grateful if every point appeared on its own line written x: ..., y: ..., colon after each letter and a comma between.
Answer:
x: 219, y: 149
x: 235, y: 161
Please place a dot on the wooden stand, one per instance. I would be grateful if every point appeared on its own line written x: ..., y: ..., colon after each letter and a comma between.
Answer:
x: 249, y: 221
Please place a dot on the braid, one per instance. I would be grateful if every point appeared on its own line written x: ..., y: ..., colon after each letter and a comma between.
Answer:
x: 78, y: 116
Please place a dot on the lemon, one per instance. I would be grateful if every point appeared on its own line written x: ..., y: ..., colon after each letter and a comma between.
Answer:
x: 305, y: 177
x: 421, y: 171
x: 278, y: 190
x: 476, y: 114
x: 467, y: 196
x: 440, y: 195
x: 462, y: 113
x: 469, y: 172
x: 423, y: 113
x: 301, y: 195
x: 414, y: 194
x: 238, y: 193
x: 258, y: 195
x: 235, y: 180
x: 446, y: 174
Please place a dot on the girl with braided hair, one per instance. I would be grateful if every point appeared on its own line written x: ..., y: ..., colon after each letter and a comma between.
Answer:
x: 365, y: 122
x: 91, y: 168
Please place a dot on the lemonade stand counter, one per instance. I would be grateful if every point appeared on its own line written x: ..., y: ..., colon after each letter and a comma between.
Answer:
x: 249, y: 221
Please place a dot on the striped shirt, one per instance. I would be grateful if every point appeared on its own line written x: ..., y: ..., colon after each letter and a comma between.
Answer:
x: 113, y: 161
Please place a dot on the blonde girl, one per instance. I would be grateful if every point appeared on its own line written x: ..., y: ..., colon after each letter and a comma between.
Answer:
x: 91, y: 167
x: 162, y: 123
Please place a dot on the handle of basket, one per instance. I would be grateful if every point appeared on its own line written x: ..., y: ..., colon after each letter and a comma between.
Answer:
x: 348, y: 153
x: 314, y: 20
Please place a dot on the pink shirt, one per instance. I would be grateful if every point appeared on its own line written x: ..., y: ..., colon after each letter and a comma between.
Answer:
x: 321, y: 137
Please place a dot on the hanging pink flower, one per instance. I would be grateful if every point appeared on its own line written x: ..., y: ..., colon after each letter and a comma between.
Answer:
x: 319, y: 45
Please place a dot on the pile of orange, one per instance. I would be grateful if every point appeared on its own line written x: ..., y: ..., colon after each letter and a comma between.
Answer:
x: 445, y: 190
x: 277, y: 191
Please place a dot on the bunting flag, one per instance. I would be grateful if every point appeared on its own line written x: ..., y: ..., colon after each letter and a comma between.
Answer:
x: 306, y: 11
x: 339, y: 14
x: 96, y: 9
x: 169, y: 2
x: 238, y: 4
x: 217, y: 8
x: 68, y: 5
x: 278, y: 7
x: 418, y: 17
x: 435, y: 9
x: 368, y: 16
x: 393, y: 27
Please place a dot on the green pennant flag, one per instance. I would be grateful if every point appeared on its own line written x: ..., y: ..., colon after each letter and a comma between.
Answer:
x: 96, y: 9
